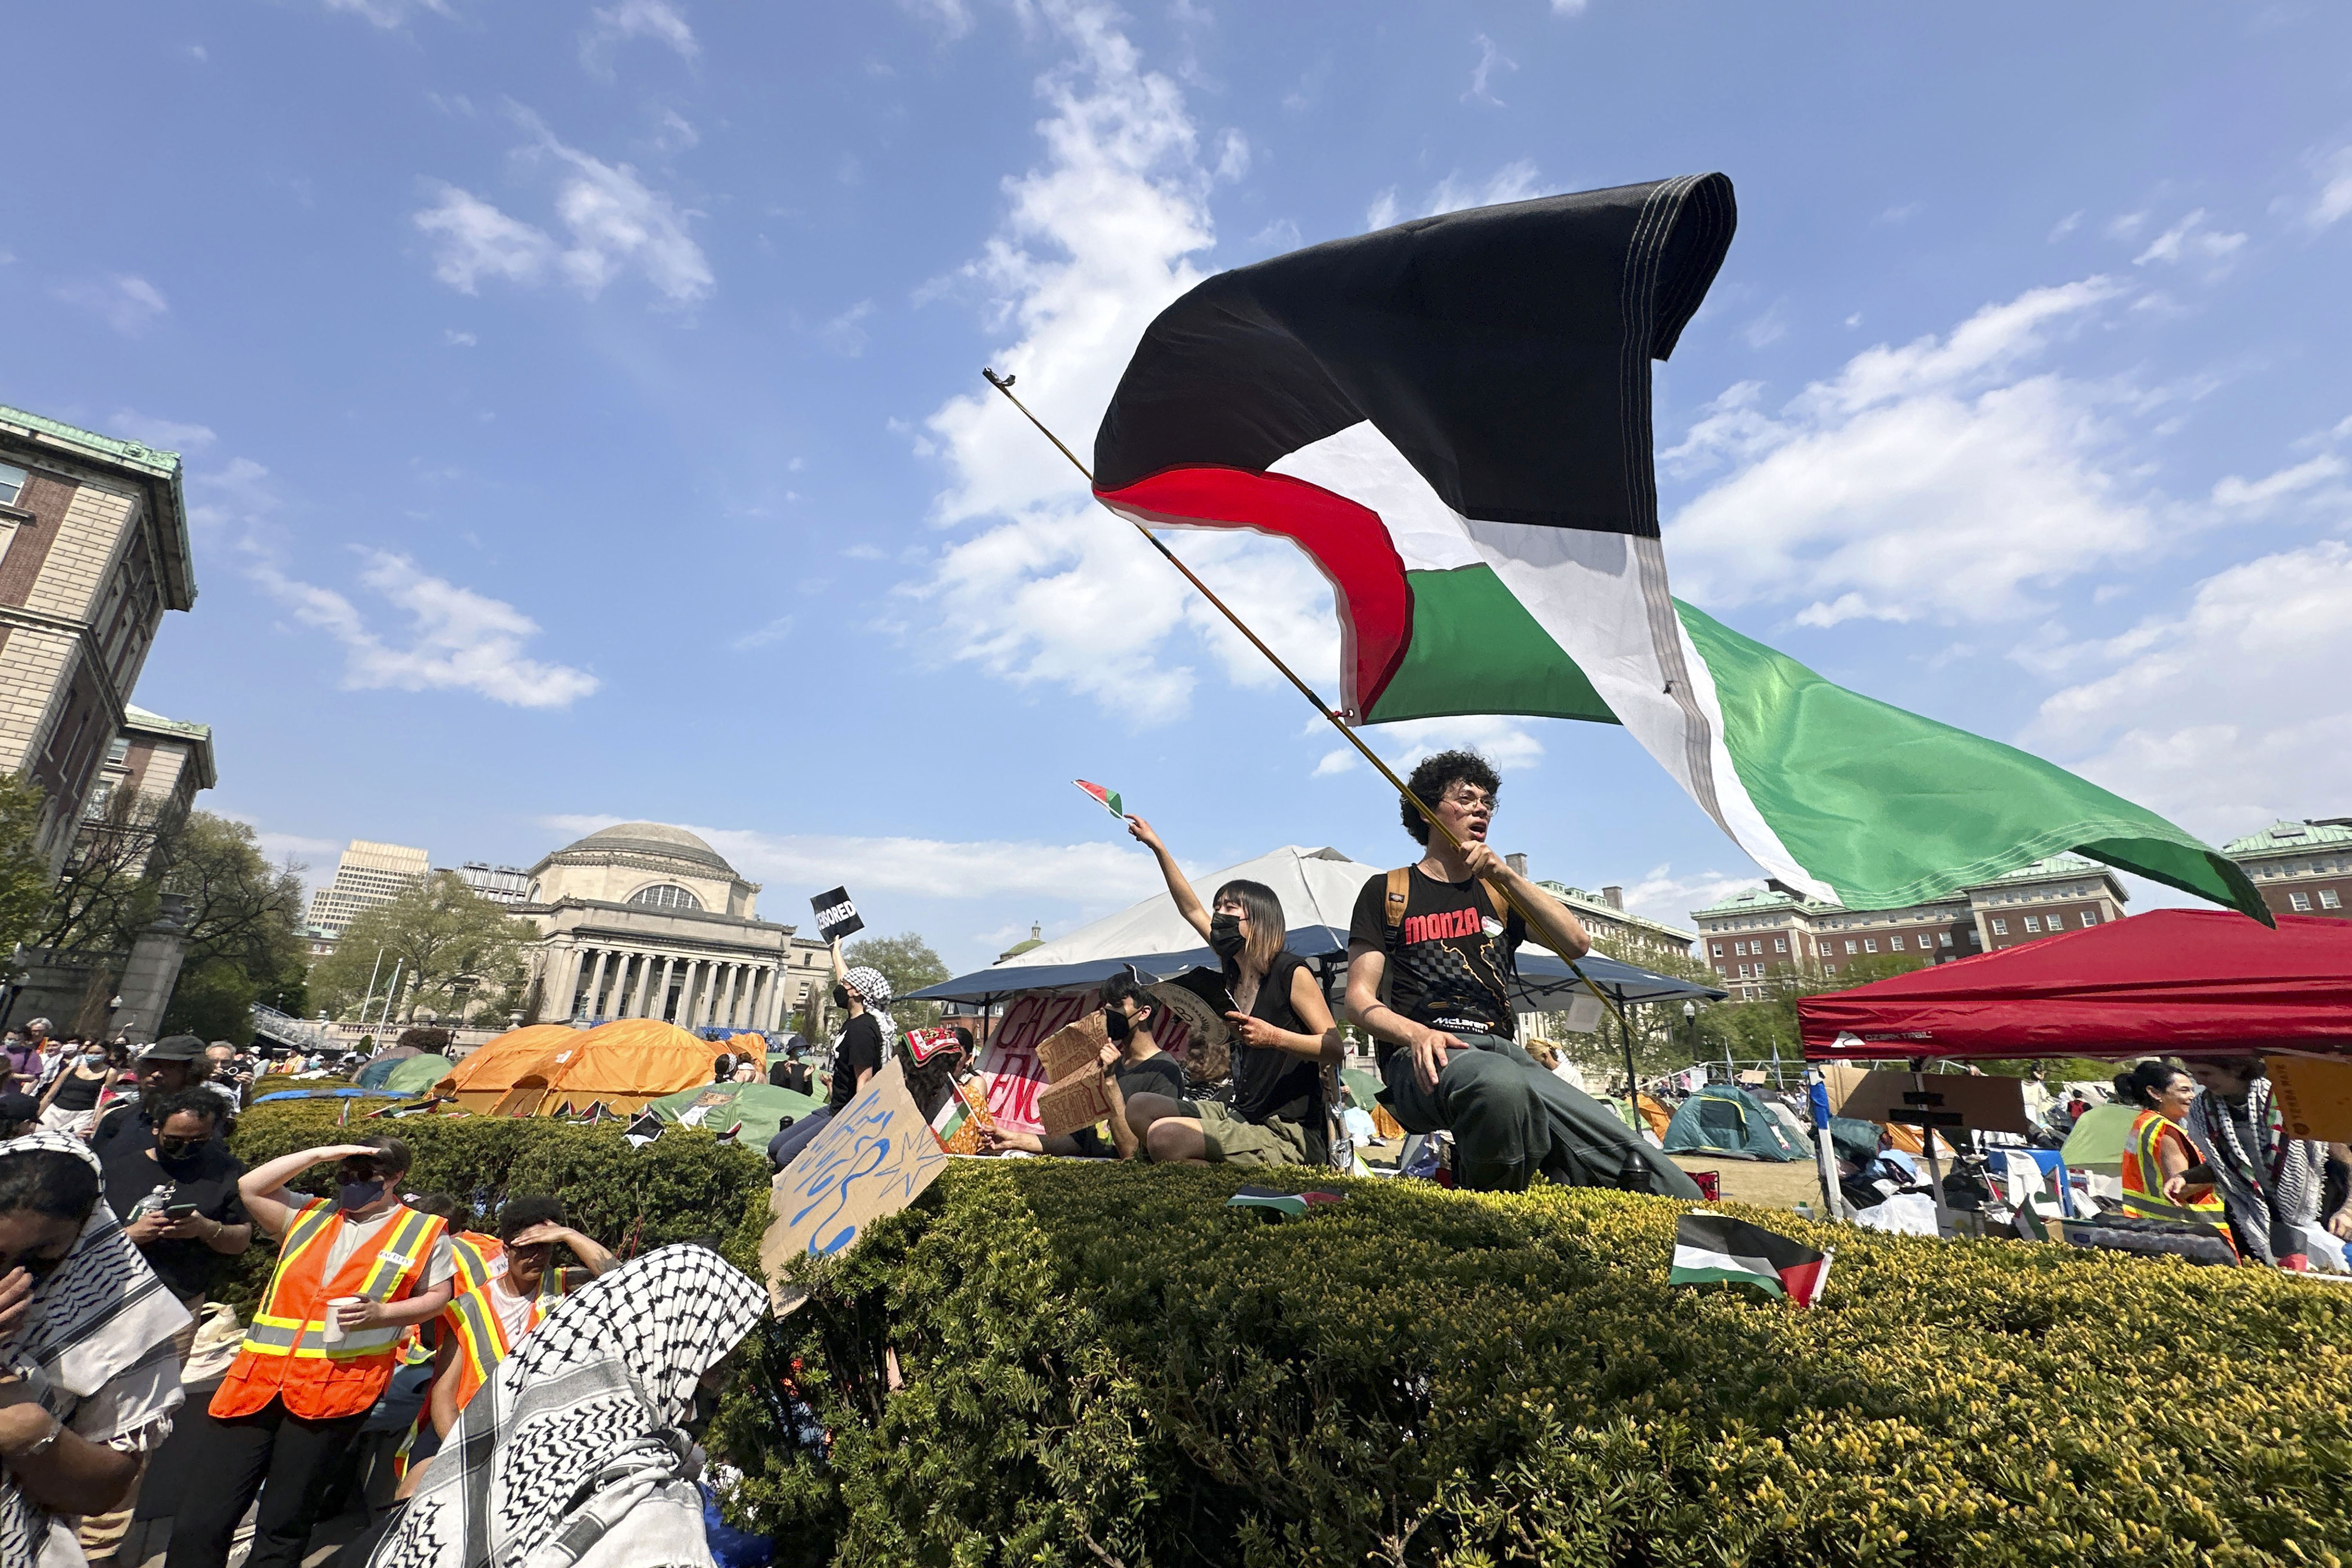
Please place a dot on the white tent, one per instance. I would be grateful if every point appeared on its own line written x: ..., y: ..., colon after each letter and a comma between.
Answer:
x: 1317, y: 887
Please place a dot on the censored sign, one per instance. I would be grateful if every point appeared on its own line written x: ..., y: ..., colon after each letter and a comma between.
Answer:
x: 837, y: 917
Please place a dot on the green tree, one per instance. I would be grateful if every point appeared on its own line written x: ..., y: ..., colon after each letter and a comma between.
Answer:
x: 24, y: 871
x: 241, y: 918
x: 909, y: 963
x: 449, y: 944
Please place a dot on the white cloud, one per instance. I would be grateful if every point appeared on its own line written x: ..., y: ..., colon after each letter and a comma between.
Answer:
x: 1663, y: 896
x: 1098, y: 239
x: 475, y: 240
x: 768, y: 635
x: 2259, y: 496
x: 1490, y: 60
x: 389, y: 13
x: 616, y: 222
x: 2192, y: 240
x: 128, y: 303
x: 610, y: 25
x: 2230, y: 714
x: 1514, y: 182
x: 952, y: 17
x: 2332, y: 173
x: 1925, y: 481
x: 167, y: 434
x: 1895, y: 216
x: 2065, y: 226
x: 1502, y: 739
x: 457, y: 340
x: 845, y: 334
x: 1088, y: 873
x: 457, y: 639
x: 1568, y: 8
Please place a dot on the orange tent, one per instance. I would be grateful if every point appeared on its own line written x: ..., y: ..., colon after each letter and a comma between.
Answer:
x: 483, y: 1079
x: 625, y: 1064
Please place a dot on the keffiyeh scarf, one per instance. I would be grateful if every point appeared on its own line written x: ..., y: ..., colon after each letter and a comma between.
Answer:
x: 2270, y: 1191
x: 874, y: 991
x: 580, y: 1424
x: 101, y: 1318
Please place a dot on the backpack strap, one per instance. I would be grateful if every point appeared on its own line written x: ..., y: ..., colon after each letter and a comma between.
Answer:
x: 1400, y: 884
x: 1495, y: 905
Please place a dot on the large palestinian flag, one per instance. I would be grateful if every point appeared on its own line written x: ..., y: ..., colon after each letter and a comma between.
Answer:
x: 1712, y: 1249
x: 1452, y: 418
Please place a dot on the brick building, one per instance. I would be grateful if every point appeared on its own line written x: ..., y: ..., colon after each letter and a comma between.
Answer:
x: 1756, y: 934
x: 93, y: 550
x: 2302, y: 867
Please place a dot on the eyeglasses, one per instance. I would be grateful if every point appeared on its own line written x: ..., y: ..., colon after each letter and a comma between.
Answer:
x: 1468, y: 798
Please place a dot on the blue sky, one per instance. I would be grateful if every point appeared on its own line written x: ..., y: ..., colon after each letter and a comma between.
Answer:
x: 582, y: 409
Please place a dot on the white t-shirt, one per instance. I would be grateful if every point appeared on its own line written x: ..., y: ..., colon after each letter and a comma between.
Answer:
x: 513, y: 1310
x: 355, y: 1234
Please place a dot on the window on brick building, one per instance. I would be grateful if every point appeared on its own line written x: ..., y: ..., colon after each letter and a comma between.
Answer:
x: 1894, y: 944
x: 2090, y: 917
x: 2299, y: 903
x: 2329, y: 901
x: 2032, y: 924
x: 1849, y: 944
x: 1999, y: 928
x: 1945, y: 939
x: 12, y: 484
x: 1718, y: 950
x: 1780, y: 944
x: 1870, y: 944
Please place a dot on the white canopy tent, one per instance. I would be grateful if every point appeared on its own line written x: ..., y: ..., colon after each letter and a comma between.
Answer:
x: 1317, y: 887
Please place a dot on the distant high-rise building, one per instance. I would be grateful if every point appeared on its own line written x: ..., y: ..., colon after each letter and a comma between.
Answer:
x: 499, y: 884
x: 368, y: 874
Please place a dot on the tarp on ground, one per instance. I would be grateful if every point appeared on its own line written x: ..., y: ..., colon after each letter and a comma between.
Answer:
x: 2168, y: 981
x: 1725, y: 1119
x: 483, y: 1078
x: 625, y: 1064
x: 762, y: 1109
x: 1317, y: 889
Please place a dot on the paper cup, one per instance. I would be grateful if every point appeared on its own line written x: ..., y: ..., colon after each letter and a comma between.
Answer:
x: 334, y: 1333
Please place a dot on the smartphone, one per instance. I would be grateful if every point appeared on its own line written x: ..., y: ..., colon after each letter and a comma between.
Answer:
x: 179, y: 1211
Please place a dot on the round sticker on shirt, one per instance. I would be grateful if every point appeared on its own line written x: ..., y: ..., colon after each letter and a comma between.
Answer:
x: 1494, y: 927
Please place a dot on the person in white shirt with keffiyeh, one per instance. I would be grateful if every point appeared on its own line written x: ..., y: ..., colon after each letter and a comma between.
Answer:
x: 2270, y: 1184
x: 88, y: 1375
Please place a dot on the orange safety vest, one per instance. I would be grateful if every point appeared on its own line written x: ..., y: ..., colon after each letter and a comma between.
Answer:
x: 285, y: 1354
x: 481, y: 1332
x: 2144, y: 1176
x: 478, y: 1258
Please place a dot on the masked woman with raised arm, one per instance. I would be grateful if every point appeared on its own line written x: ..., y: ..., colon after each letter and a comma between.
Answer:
x: 1284, y: 1037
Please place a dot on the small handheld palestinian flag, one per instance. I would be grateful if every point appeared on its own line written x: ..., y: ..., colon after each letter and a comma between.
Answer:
x: 959, y: 1122
x: 1714, y: 1248
x: 1105, y: 798
x: 1274, y: 1206
x: 643, y: 1131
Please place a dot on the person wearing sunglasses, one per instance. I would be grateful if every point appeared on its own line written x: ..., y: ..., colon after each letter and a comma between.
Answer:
x: 293, y: 1402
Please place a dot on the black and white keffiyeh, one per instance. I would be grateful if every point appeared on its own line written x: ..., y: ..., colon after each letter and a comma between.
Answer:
x: 2271, y: 1191
x: 580, y: 1424
x: 100, y: 1322
x: 874, y: 989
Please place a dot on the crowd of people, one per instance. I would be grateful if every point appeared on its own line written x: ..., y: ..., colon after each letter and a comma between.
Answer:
x: 390, y: 1327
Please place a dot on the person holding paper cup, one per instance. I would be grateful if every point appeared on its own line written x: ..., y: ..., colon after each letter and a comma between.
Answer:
x: 353, y: 1270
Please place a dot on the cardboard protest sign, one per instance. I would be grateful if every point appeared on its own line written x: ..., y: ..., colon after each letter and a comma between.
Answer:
x: 2315, y: 1096
x: 1074, y: 1103
x: 1074, y: 1047
x: 876, y: 1157
x: 836, y: 915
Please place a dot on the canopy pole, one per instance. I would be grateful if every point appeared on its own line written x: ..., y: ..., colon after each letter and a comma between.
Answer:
x: 1003, y: 383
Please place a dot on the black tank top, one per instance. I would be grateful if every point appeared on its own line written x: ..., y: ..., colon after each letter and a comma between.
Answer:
x: 78, y: 1093
x: 1274, y: 1082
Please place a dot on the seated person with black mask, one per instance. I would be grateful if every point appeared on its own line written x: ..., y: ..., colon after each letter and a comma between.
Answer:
x: 1131, y: 1064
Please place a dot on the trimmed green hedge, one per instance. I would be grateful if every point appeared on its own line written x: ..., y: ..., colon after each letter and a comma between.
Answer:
x: 1103, y: 1365
x: 682, y: 1186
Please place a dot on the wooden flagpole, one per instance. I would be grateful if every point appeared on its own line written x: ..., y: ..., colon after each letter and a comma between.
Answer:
x: 1003, y: 383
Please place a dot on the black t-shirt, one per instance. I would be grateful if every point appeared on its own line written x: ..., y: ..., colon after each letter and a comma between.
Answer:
x: 208, y: 1180
x: 1450, y: 961
x: 78, y: 1093
x: 1269, y: 1080
x: 1158, y: 1073
x: 860, y: 1051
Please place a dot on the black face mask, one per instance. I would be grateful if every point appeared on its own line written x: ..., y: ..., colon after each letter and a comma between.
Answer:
x: 840, y: 996
x: 1225, y: 938
x: 1118, y: 1024
x: 177, y: 1151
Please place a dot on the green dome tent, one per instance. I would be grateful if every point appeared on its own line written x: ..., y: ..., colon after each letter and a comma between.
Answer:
x: 412, y: 1075
x: 2099, y: 1138
x: 1725, y: 1119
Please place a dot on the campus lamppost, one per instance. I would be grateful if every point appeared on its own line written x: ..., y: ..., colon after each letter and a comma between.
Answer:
x: 1690, y: 1026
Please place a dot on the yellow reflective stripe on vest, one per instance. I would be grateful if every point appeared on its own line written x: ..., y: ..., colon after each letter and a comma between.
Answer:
x: 408, y: 1247
x: 2154, y: 1204
x: 481, y: 1335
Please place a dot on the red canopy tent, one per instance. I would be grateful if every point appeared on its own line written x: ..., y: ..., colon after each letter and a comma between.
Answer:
x: 2168, y: 981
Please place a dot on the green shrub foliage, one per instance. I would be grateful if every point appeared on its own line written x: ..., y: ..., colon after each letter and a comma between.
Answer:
x: 1100, y: 1364
x: 683, y: 1185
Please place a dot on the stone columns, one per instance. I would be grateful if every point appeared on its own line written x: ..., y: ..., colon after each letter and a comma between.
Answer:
x: 726, y: 995
x: 595, y: 981
x: 645, y: 981
x: 621, y: 987
x: 689, y: 1000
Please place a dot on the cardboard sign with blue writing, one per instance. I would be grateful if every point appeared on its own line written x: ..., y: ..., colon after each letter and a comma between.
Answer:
x: 876, y: 1157
x: 837, y: 917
